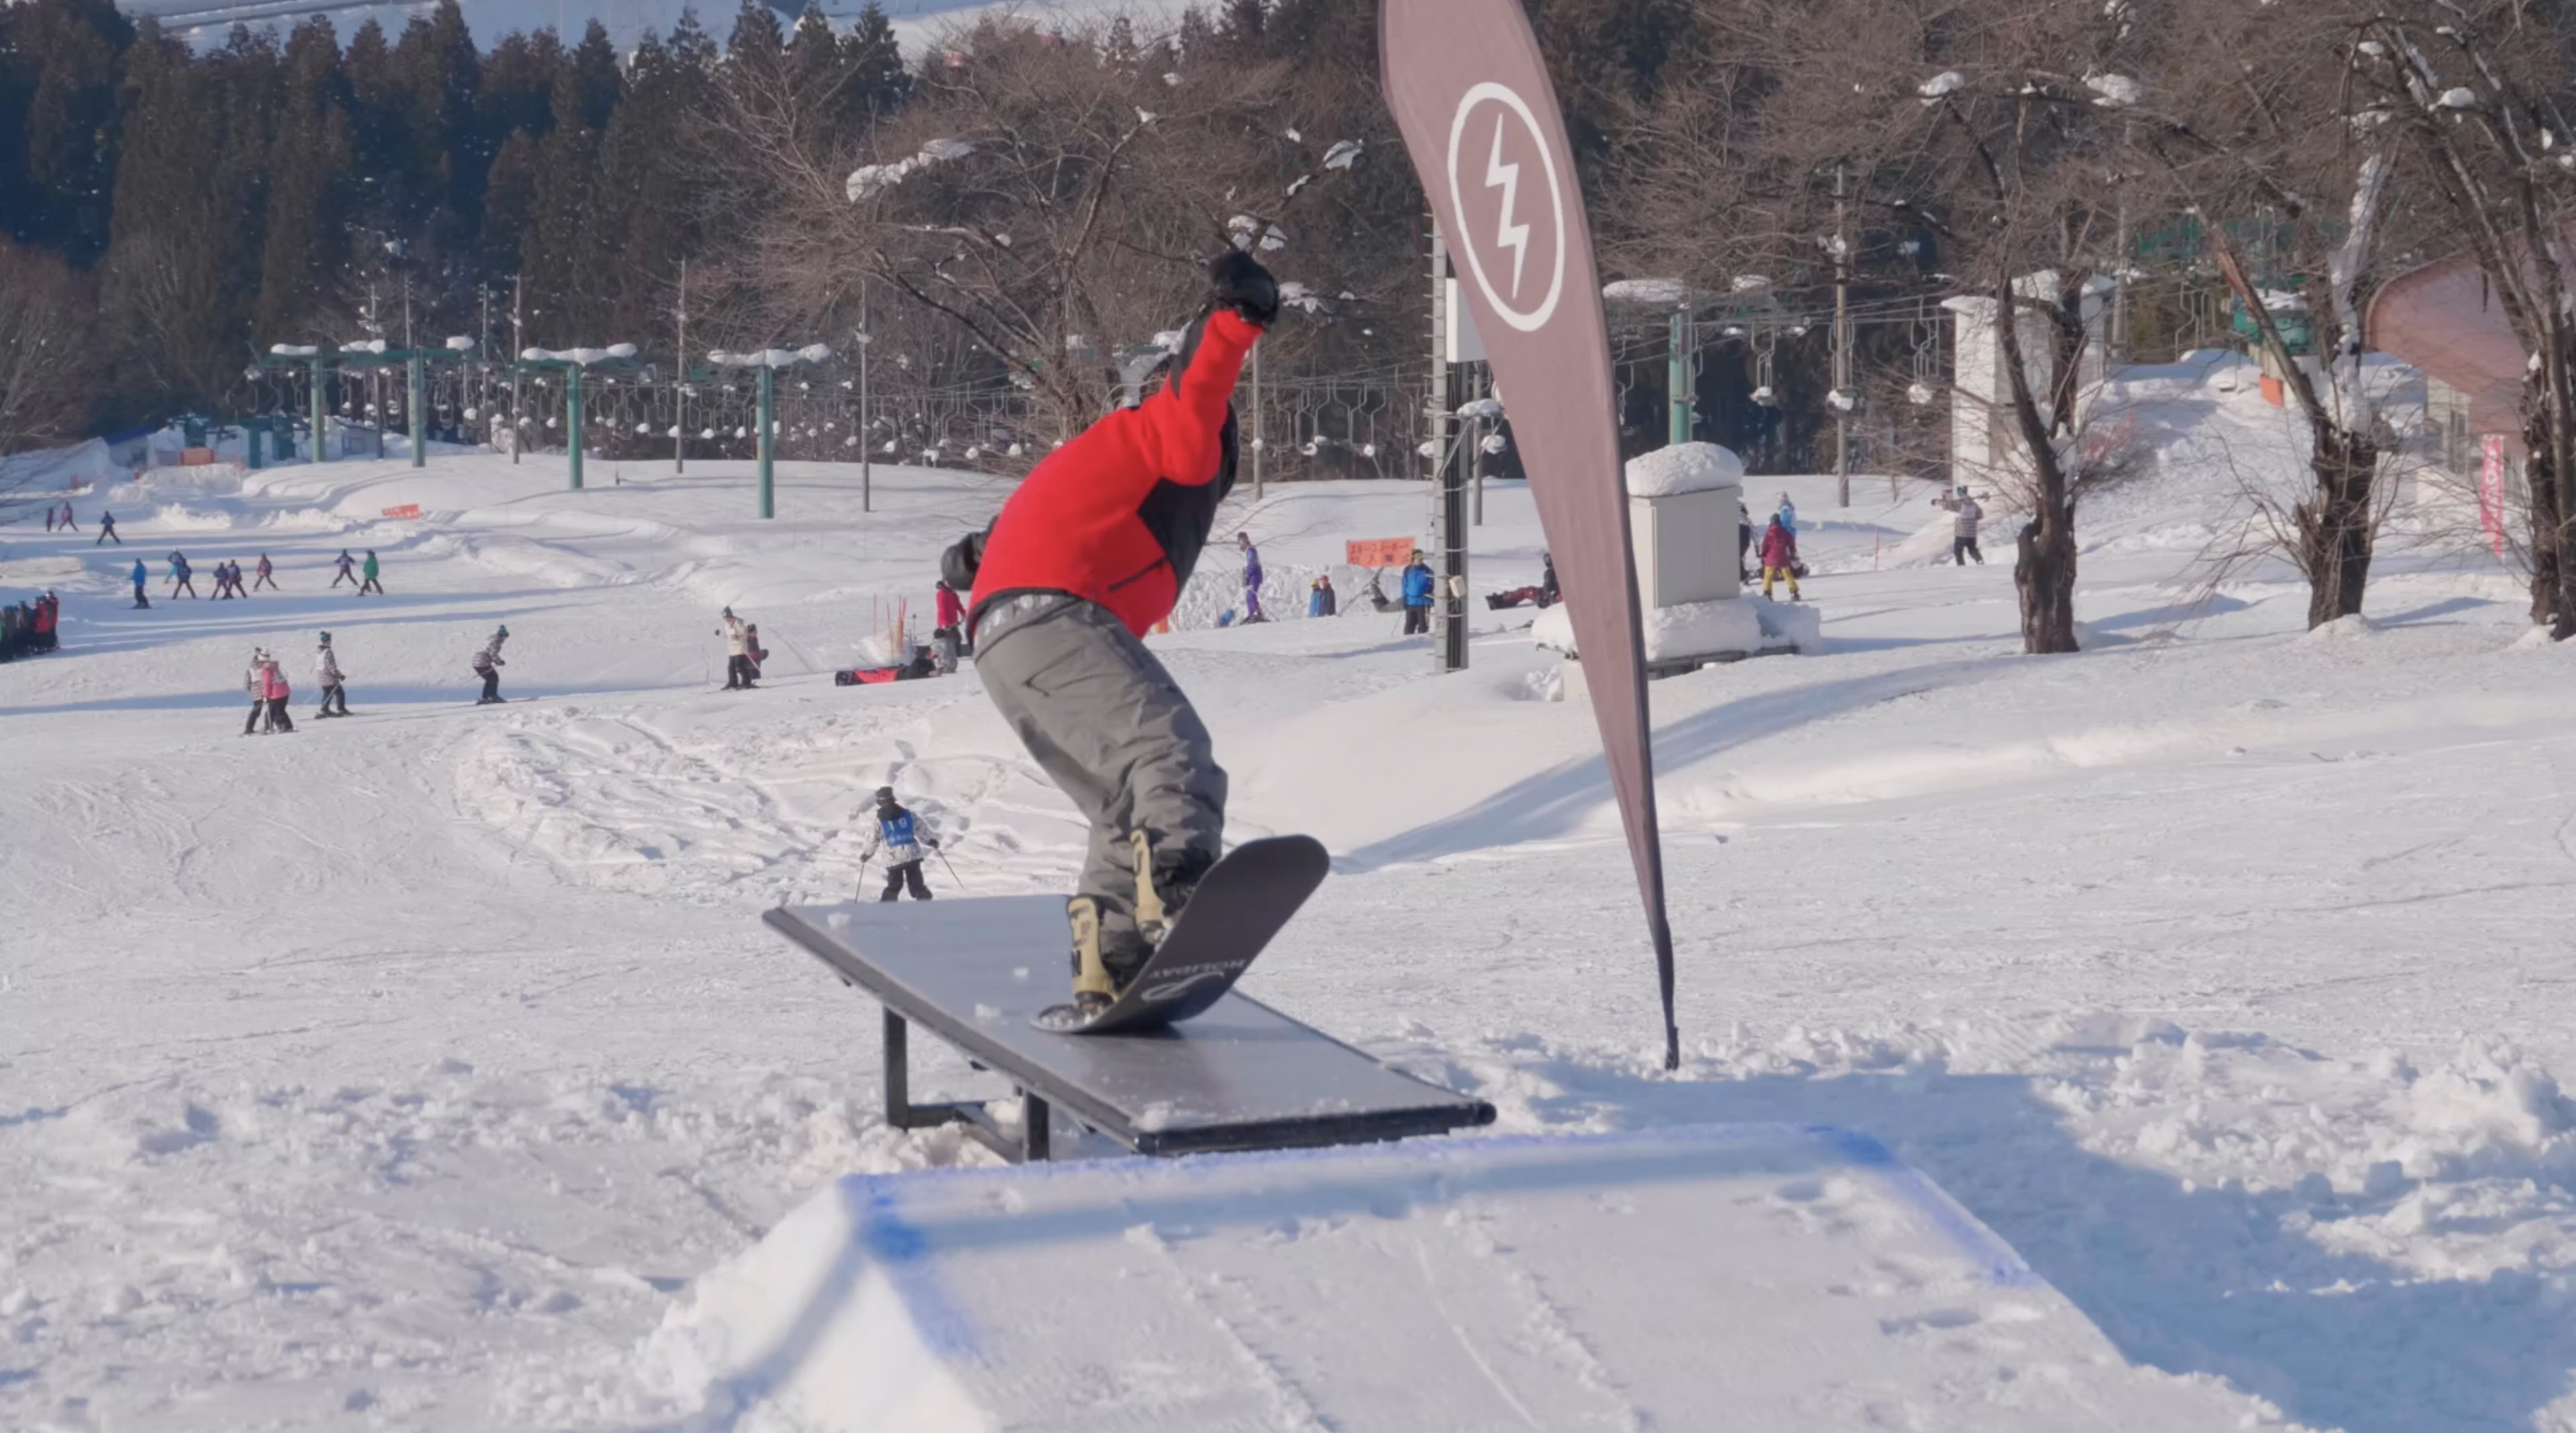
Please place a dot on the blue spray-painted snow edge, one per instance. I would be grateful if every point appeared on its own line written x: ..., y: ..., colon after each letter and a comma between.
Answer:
x: 2001, y: 1264
x: 905, y: 1247
x: 902, y: 1249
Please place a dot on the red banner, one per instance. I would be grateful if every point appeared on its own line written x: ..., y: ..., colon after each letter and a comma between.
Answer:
x: 1481, y: 123
x: 406, y: 510
x: 1379, y: 551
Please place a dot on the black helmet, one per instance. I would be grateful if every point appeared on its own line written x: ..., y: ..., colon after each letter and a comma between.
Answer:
x: 885, y: 796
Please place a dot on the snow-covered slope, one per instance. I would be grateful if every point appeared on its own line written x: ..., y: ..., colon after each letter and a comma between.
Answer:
x: 404, y: 1072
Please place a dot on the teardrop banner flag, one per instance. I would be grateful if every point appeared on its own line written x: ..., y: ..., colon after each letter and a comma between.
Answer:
x: 1481, y: 123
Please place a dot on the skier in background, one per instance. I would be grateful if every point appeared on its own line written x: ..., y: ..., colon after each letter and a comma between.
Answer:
x: 326, y: 670
x: 223, y: 582
x: 142, y: 576
x: 902, y: 834
x: 179, y: 577
x: 348, y: 573
x: 1964, y: 517
x: 1743, y: 543
x: 737, y: 659
x: 753, y: 655
x: 68, y: 524
x: 274, y: 689
x: 107, y: 528
x: 371, y: 584
x: 255, y: 682
x: 1549, y: 594
x: 1090, y: 552
x: 50, y: 515
x: 1417, y: 595
x: 1251, y: 577
x: 49, y: 618
x: 1788, y: 516
x: 267, y: 578
x: 488, y: 665
x: 1780, y: 557
x: 1321, y: 600
x: 951, y: 610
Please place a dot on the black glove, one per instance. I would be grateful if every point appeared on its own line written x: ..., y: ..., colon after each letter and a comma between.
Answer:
x: 1237, y: 281
x: 964, y: 557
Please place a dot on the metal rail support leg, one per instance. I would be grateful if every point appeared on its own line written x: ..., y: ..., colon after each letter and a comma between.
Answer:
x: 1035, y: 1128
x: 898, y: 1072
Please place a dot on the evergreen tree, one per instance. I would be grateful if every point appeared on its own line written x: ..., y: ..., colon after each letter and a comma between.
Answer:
x: 878, y: 82
x: 66, y: 58
x: 436, y: 78
x: 309, y: 172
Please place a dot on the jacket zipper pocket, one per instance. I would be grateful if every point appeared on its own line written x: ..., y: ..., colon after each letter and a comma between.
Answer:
x: 1139, y: 575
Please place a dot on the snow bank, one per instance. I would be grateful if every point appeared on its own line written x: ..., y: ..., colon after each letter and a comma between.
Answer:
x: 1683, y: 468
x: 1474, y: 1284
x: 1731, y: 627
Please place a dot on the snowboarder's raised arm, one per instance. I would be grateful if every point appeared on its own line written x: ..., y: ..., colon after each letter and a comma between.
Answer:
x: 1182, y: 420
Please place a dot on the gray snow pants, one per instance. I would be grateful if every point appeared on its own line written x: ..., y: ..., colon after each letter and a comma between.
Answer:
x: 1114, y: 732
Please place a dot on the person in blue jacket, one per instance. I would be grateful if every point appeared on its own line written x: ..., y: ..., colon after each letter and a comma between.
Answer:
x: 142, y: 575
x: 902, y: 834
x: 1417, y: 595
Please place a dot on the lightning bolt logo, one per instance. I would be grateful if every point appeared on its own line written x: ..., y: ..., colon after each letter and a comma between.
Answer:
x: 1507, y: 177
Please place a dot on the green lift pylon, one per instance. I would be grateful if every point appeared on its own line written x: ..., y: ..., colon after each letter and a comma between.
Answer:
x: 767, y: 362
x: 572, y: 363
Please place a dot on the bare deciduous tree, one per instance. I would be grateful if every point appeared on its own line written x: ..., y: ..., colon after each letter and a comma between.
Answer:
x: 47, y: 357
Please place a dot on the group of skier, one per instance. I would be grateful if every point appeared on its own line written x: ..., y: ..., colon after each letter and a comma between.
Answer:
x: 269, y: 690
x: 229, y: 582
x: 29, y: 629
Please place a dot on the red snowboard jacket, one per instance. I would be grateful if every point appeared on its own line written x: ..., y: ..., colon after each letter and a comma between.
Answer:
x: 1118, y: 515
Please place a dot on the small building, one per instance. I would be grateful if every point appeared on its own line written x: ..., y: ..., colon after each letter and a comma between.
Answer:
x: 1983, y: 437
x: 2444, y: 320
x: 1684, y: 505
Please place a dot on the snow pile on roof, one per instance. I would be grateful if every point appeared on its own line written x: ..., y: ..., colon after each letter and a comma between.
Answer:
x: 372, y: 345
x: 869, y: 180
x: 1683, y: 468
x: 1646, y: 291
x: 771, y: 357
x: 461, y: 344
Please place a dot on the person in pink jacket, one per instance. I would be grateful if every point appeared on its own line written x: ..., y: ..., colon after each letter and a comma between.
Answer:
x: 273, y: 686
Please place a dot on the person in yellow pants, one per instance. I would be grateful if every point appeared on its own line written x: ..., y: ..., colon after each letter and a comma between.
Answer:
x: 1779, y: 558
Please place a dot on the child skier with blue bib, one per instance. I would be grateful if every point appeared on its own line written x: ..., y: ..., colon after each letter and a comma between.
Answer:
x: 902, y: 834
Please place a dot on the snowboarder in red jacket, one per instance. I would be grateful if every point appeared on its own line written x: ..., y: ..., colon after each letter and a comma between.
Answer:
x: 1086, y: 557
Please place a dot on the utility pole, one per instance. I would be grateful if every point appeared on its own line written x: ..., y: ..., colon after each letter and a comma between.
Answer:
x: 1447, y: 474
x: 518, y: 345
x: 1842, y: 347
x: 680, y: 383
x: 867, y: 435
x: 483, y: 374
x: 1256, y: 422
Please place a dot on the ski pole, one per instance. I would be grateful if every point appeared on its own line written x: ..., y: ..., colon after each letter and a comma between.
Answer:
x: 952, y: 870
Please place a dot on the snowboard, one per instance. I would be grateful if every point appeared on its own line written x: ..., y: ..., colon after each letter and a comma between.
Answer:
x: 1244, y: 900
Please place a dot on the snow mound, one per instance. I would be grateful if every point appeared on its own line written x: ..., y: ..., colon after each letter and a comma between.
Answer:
x: 1476, y: 1284
x: 2354, y: 628
x: 1732, y: 626
x: 1683, y: 468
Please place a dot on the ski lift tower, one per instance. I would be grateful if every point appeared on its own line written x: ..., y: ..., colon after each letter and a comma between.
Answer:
x: 372, y: 354
x: 766, y: 363
x: 572, y: 363
x: 316, y: 361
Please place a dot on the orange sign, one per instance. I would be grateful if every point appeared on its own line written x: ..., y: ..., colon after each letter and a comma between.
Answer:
x: 196, y: 457
x: 406, y: 510
x: 1379, y: 551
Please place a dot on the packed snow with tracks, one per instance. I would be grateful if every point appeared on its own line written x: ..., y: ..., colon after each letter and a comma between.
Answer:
x: 405, y: 1072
